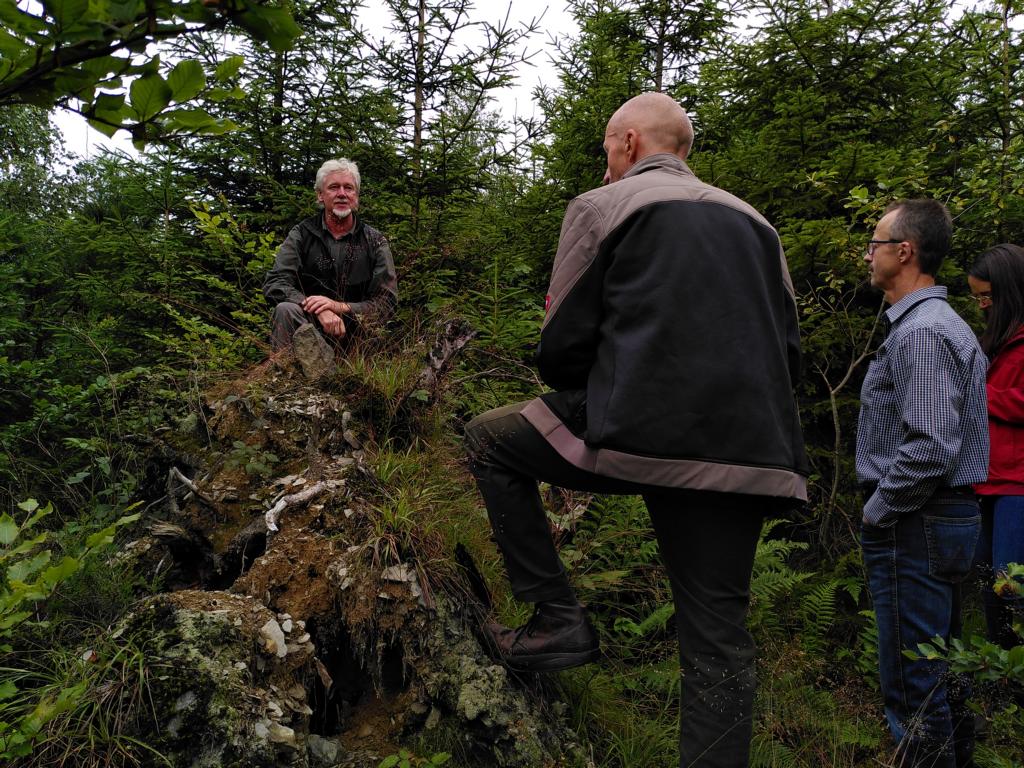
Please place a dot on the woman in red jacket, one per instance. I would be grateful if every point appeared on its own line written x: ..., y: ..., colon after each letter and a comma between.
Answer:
x: 997, y: 283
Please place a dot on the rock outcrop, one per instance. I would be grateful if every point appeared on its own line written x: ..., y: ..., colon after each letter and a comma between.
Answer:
x: 301, y: 626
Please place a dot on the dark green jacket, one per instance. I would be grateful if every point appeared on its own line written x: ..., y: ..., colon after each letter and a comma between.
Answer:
x: 357, y: 269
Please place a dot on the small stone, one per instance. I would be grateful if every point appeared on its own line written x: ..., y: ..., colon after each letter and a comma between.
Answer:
x: 297, y: 692
x: 273, y: 639
x: 281, y: 734
x: 90, y: 656
x: 286, y: 625
x: 274, y: 709
x: 397, y: 573
x: 322, y: 752
x: 299, y: 707
x: 433, y: 719
x: 312, y: 351
x: 261, y: 730
x: 186, y: 700
x: 241, y: 666
x: 351, y: 439
x: 174, y: 726
x: 303, y: 638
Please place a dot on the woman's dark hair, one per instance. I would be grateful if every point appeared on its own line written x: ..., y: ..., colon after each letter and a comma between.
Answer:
x: 1003, y: 267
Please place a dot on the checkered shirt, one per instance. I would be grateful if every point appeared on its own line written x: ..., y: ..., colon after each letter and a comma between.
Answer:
x: 923, y: 418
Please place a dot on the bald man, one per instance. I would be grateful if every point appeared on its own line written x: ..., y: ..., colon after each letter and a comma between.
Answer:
x: 671, y: 345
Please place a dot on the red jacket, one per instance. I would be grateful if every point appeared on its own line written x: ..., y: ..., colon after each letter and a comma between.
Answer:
x: 1005, y: 389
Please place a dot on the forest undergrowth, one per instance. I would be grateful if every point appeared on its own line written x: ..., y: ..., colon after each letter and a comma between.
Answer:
x: 130, y: 289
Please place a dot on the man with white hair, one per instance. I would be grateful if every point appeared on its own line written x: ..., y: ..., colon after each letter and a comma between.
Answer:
x: 332, y: 270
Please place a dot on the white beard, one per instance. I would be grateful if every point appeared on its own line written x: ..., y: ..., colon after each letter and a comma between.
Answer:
x: 341, y: 213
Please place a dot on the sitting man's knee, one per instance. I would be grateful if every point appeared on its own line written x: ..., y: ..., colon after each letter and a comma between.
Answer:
x: 288, y: 310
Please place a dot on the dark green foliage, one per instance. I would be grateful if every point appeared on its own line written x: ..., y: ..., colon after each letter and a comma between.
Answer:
x: 79, y: 54
x: 127, y: 286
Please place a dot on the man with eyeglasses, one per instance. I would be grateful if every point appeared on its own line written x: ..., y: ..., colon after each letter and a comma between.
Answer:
x: 922, y: 440
x: 671, y: 343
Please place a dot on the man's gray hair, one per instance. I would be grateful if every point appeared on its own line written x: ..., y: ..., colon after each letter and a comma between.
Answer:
x: 342, y: 164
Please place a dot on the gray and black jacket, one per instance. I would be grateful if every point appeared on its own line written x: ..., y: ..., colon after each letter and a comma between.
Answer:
x: 357, y: 268
x: 671, y: 339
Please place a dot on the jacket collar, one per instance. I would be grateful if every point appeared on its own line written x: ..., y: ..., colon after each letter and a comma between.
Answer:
x: 911, y: 300
x: 320, y: 227
x: 660, y: 160
x: 1014, y: 340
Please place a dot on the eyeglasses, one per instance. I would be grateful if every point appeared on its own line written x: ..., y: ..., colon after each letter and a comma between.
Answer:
x: 983, y: 299
x: 873, y: 244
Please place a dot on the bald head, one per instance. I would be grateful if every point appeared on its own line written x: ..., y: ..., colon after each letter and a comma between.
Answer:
x: 648, y: 124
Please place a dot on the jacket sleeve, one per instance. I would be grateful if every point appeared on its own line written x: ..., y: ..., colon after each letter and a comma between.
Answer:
x: 571, y: 331
x: 383, y: 284
x: 793, y: 357
x: 1006, y: 397
x: 283, y: 282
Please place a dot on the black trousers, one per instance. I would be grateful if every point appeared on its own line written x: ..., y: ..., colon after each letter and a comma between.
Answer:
x: 707, y: 542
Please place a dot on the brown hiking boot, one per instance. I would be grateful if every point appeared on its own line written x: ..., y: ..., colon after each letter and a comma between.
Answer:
x: 557, y: 636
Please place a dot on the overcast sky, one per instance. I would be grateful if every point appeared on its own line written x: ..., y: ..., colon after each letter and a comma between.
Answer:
x: 84, y: 141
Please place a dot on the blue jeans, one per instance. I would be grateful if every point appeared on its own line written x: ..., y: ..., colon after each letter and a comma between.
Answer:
x: 1001, y: 542
x: 914, y: 572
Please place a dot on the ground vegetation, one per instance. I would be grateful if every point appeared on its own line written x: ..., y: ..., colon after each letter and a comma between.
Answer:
x: 145, y: 437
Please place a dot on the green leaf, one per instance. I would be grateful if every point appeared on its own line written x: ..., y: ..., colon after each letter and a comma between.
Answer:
x: 105, y: 128
x: 12, y: 619
x: 12, y: 47
x: 101, y: 538
x: 7, y: 690
x: 24, y: 546
x: 149, y: 95
x: 23, y: 569
x: 109, y: 107
x: 58, y: 573
x: 8, y: 529
x: 66, y: 13
x: 226, y: 94
x: 186, y: 80
x: 273, y: 25
x: 228, y: 68
x: 29, y: 505
x: 188, y: 119
x: 20, y: 21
